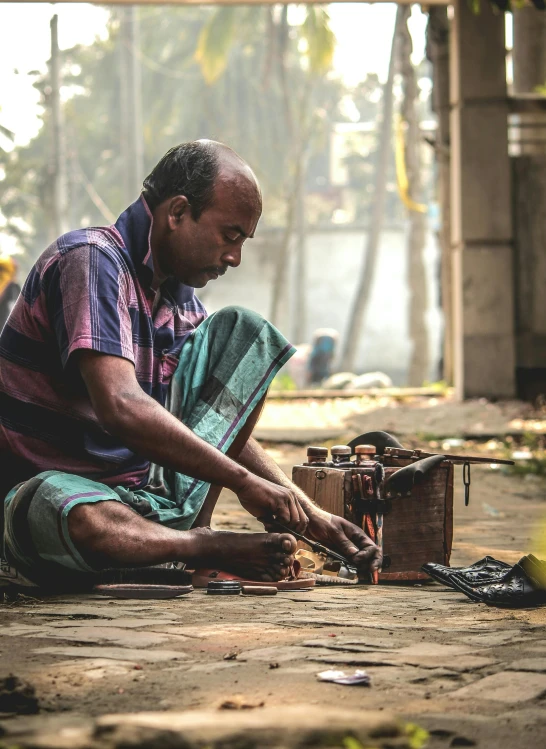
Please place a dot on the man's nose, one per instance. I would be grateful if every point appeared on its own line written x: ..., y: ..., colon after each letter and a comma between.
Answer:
x: 233, y: 256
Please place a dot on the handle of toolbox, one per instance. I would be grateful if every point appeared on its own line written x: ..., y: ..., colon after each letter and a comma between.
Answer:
x: 380, y: 440
x: 401, y: 482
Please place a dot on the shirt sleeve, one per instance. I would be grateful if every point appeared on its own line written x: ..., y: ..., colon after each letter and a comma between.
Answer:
x: 89, y: 299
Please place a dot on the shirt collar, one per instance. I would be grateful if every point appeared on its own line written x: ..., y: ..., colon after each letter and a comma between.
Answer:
x: 135, y: 227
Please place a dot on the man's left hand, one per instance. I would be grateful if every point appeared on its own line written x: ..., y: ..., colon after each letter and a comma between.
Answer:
x: 346, y: 538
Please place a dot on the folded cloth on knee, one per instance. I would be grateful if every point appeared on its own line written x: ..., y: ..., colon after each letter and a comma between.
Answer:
x: 225, y: 369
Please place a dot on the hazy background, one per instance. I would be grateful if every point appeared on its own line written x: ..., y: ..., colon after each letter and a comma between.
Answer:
x: 270, y: 104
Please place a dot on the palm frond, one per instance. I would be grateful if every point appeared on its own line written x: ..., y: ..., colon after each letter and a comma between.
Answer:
x: 321, y: 40
x: 215, y: 42
x: 7, y: 133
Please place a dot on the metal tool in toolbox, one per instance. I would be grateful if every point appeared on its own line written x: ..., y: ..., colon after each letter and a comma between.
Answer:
x: 401, y: 452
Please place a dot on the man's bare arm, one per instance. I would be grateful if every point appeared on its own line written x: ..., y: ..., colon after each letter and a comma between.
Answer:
x: 331, y: 530
x: 256, y: 459
x: 144, y: 426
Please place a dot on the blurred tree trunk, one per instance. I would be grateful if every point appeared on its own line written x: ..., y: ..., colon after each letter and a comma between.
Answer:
x: 363, y: 292
x: 215, y: 41
x: 131, y: 135
x: 58, y: 166
x: 279, y: 45
x: 300, y: 271
x: 295, y: 229
x: 438, y: 54
x: 416, y: 276
x: 278, y: 294
x: 296, y: 119
x: 294, y: 222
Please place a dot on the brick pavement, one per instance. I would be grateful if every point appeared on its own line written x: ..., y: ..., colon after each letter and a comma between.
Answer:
x: 470, y: 674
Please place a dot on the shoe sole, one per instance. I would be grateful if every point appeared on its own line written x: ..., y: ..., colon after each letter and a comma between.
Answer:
x: 538, y: 600
x: 142, y: 592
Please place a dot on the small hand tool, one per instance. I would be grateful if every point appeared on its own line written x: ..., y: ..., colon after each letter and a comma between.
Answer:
x: 315, y: 545
x: 367, y: 522
x: 401, y: 452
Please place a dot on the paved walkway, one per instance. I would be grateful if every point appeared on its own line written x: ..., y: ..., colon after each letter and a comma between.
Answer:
x: 470, y: 674
x: 312, y: 421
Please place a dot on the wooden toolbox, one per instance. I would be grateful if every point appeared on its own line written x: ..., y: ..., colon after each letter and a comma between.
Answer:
x: 417, y: 526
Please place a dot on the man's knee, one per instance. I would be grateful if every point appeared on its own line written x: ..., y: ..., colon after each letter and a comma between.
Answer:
x: 234, y: 315
x: 89, y: 523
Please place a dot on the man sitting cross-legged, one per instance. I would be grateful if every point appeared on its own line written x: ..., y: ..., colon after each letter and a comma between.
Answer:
x: 124, y: 409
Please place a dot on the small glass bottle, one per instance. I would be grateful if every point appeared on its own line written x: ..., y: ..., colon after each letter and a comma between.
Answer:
x: 317, y: 456
x: 341, y: 456
x: 364, y: 453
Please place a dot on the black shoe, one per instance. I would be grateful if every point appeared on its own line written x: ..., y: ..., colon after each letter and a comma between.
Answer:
x: 522, y: 586
x: 538, y: 563
x: 479, y: 573
x: 476, y: 578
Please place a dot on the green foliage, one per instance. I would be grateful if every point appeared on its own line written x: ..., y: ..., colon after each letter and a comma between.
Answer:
x: 349, y: 742
x: 218, y: 37
x: 320, y: 39
x: 215, y: 42
x: 418, y: 737
x: 441, y: 386
x: 503, y: 6
x: 535, y: 465
x: 283, y: 382
x: 6, y: 133
x: 232, y: 93
x: 535, y: 445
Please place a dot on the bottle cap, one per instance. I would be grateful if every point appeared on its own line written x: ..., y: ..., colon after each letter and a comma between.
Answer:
x: 224, y: 588
x: 365, y: 450
x: 340, y: 450
x: 317, y: 452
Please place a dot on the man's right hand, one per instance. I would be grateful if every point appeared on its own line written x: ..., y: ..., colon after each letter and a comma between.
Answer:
x: 263, y: 498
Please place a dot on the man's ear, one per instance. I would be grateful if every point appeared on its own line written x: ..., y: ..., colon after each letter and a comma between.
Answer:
x: 178, y: 208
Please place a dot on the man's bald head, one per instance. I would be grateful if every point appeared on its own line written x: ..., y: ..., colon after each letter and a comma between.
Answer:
x: 194, y: 170
x: 206, y: 203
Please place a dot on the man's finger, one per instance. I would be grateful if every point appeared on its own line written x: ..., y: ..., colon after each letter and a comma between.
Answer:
x: 294, y: 513
x: 368, y: 554
x: 370, y: 558
x: 304, y: 520
x: 300, y: 518
x: 283, y: 513
x: 349, y: 550
x: 357, y: 535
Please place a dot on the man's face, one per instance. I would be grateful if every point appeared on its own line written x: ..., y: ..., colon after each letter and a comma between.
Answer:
x: 196, y: 252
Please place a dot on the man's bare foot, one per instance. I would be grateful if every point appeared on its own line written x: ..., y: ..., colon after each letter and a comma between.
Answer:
x: 110, y: 534
x: 255, y: 556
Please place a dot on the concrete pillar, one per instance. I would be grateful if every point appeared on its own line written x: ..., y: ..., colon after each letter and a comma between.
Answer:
x: 481, y: 220
x: 438, y: 38
x: 528, y: 148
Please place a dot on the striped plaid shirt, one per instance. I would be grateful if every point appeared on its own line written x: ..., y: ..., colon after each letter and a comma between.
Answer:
x: 91, y: 289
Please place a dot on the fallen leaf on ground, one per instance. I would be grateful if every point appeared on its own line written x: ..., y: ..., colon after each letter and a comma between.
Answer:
x: 238, y: 702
